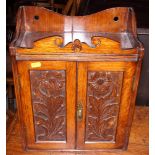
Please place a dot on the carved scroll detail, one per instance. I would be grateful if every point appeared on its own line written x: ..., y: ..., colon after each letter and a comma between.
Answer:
x: 49, y: 108
x: 102, y: 105
x: 96, y: 41
x: 76, y: 46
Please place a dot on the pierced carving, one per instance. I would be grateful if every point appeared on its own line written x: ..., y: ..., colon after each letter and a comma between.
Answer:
x: 103, y: 97
x: 49, y: 107
x: 96, y: 41
x: 59, y: 41
x: 77, y: 46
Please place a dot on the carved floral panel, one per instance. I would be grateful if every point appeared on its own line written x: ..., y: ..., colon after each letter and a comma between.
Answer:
x: 103, y: 97
x: 49, y: 107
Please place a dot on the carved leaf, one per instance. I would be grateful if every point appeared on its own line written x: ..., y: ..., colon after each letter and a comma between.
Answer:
x: 48, y: 99
x: 102, y: 105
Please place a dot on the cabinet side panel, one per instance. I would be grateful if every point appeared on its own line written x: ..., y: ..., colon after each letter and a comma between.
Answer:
x: 103, y: 98
x: 49, y: 104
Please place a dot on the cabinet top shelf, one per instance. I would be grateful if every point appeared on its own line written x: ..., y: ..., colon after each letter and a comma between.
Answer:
x: 117, y: 25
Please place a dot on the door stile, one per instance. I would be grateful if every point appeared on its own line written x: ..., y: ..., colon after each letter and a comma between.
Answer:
x: 71, y: 103
x: 81, y: 101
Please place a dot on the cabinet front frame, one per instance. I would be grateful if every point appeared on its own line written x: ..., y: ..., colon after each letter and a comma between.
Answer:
x: 128, y: 69
x: 24, y: 68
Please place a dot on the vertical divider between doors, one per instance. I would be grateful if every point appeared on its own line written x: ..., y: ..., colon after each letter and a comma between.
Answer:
x: 71, y: 70
x: 81, y: 98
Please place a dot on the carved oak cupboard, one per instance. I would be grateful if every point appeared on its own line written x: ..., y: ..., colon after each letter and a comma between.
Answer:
x: 75, y: 78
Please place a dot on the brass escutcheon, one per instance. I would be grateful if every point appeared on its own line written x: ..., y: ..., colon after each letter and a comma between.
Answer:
x: 79, y: 111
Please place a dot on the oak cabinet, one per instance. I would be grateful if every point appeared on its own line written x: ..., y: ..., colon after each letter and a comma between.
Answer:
x: 73, y: 94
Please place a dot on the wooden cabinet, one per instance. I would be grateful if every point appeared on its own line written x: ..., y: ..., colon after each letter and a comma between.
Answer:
x: 75, y: 83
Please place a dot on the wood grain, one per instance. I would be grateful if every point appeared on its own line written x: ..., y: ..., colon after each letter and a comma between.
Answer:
x: 35, y: 23
x: 50, y: 46
x: 49, y: 104
x: 128, y: 70
x: 54, y: 113
x: 24, y: 69
x: 138, y: 143
x: 103, y: 99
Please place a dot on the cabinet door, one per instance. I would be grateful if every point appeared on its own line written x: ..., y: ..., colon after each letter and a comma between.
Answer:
x: 48, y: 102
x: 104, y: 94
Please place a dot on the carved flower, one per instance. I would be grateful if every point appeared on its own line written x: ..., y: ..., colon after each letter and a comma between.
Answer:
x: 47, y: 83
x: 101, y: 84
x: 102, y: 106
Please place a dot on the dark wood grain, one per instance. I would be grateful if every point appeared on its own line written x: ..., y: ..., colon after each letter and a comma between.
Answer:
x: 49, y: 107
x: 71, y: 28
x: 128, y: 70
x: 62, y: 73
x: 138, y: 143
x: 103, y: 97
